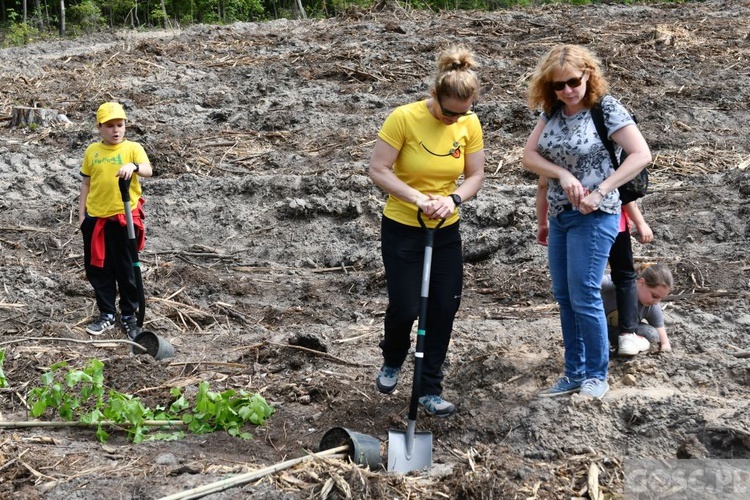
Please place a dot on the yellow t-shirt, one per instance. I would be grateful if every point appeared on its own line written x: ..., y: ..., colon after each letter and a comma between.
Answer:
x: 101, y: 162
x: 431, y: 155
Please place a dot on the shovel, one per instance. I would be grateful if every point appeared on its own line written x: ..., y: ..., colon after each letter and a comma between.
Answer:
x: 412, y: 450
x: 154, y: 345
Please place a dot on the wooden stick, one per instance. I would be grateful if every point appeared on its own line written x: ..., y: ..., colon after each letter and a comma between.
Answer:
x: 8, y: 305
x: 34, y: 423
x: 209, y: 363
x: 225, y: 484
x: 65, y: 339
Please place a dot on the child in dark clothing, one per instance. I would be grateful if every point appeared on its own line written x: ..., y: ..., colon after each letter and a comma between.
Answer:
x: 108, y: 260
x: 652, y: 285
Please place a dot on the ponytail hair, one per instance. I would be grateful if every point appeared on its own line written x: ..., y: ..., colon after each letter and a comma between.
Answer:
x: 455, y: 76
x: 657, y: 275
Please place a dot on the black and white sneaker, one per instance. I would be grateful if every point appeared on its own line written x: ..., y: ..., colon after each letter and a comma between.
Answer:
x: 129, y: 325
x: 102, y: 324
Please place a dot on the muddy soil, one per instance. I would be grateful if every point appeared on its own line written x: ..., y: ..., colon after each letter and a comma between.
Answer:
x: 263, y: 269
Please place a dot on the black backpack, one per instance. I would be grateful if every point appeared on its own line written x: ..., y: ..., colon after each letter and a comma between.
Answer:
x: 634, y: 188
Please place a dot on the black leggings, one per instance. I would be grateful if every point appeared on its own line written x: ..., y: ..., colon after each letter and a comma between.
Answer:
x: 624, y: 277
x: 403, y: 256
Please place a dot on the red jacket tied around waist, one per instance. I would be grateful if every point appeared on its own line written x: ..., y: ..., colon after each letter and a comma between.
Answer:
x: 97, y: 238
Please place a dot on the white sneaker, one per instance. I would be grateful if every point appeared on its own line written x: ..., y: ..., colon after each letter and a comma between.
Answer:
x: 631, y: 344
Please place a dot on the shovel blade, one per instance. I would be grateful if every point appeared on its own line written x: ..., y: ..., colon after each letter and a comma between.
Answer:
x: 408, y: 450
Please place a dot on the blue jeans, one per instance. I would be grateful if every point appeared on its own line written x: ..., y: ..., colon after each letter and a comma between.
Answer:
x: 578, y: 251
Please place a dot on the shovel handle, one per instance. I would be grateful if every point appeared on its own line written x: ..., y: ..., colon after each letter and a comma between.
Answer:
x: 124, y: 185
x: 422, y: 322
x: 424, y: 226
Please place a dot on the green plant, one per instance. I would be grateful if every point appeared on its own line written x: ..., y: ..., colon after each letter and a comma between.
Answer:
x: 80, y: 395
x: 3, y: 380
x: 228, y: 410
x: 19, y: 34
x: 87, y: 15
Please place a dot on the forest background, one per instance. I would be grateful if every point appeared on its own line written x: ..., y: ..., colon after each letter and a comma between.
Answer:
x: 27, y: 21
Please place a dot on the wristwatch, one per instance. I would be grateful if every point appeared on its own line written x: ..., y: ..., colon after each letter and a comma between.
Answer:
x: 137, y: 167
x: 456, y: 199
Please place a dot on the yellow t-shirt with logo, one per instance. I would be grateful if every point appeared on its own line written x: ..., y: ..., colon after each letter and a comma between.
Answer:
x: 101, y: 163
x: 431, y: 155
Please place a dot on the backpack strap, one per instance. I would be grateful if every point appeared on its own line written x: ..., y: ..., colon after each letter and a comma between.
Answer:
x: 597, y: 114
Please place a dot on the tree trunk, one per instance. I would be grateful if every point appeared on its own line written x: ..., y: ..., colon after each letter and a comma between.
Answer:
x: 62, y: 18
x: 164, y: 11
x: 302, y: 12
x: 22, y: 116
x: 38, y: 15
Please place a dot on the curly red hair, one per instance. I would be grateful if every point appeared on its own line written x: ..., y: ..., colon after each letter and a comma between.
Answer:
x: 566, y: 57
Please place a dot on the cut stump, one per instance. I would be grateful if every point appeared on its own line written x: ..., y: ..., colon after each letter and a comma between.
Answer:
x: 22, y: 116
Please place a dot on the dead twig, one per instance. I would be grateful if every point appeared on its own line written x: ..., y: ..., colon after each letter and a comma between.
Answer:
x: 231, y: 482
x: 34, y: 423
x: 79, y: 341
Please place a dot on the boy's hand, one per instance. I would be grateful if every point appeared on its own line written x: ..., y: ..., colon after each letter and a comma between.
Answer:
x: 126, y: 171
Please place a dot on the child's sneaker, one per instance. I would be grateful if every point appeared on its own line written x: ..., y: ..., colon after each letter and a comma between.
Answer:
x: 563, y: 386
x: 632, y: 344
x: 102, y: 324
x: 387, y: 379
x: 437, y: 406
x: 130, y: 325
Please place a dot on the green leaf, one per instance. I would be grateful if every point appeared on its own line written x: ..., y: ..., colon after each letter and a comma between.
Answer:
x: 74, y: 377
x: 38, y: 408
x: 179, y: 405
x: 3, y: 381
x: 101, y: 434
x: 48, y: 377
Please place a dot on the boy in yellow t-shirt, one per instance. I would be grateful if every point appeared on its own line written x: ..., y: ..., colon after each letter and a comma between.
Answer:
x: 101, y: 215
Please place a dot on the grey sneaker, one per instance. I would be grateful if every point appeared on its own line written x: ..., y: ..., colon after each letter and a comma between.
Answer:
x: 437, y: 406
x: 387, y: 379
x: 594, y: 388
x: 102, y: 324
x: 130, y: 325
x: 563, y: 386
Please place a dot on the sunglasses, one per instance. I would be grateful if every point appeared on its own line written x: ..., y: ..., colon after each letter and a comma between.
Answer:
x: 572, y: 83
x: 451, y: 114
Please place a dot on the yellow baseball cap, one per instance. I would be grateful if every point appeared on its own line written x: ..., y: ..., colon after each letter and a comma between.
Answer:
x: 110, y: 111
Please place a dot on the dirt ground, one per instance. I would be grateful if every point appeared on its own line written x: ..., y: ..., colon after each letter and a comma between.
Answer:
x: 263, y: 267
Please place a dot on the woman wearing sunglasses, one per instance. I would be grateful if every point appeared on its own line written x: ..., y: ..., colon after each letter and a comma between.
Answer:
x: 583, y: 201
x: 421, y: 151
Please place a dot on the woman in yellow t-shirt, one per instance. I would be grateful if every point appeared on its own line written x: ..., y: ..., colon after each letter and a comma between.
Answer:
x: 421, y: 152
